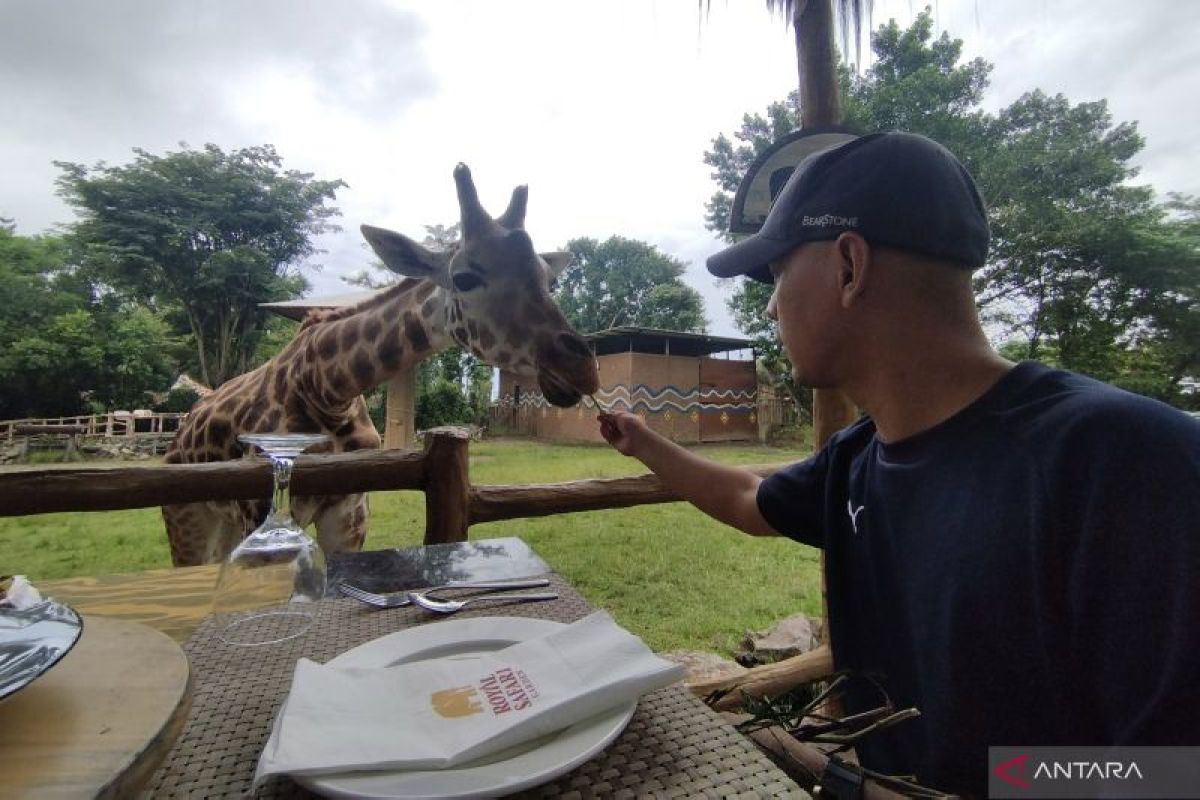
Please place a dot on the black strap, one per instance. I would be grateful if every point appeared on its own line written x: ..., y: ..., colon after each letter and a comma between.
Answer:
x: 841, y: 780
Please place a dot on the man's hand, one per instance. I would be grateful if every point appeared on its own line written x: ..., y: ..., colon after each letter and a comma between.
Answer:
x: 622, y: 430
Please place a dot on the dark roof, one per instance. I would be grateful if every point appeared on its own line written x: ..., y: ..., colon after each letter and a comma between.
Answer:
x: 652, y: 340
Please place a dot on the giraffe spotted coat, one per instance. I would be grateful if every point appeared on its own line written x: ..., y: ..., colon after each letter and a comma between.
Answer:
x: 491, y: 296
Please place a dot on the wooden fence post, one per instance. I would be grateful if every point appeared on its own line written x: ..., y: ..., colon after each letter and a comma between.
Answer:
x: 447, y: 485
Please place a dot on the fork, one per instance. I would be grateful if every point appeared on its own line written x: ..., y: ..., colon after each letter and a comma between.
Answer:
x: 399, y: 599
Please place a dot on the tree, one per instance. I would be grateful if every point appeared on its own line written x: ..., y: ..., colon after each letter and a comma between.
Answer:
x: 914, y: 85
x: 204, y: 234
x: 620, y: 282
x: 452, y: 386
x: 1085, y: 269
x: 1069, y: 260
x: 67, y: 346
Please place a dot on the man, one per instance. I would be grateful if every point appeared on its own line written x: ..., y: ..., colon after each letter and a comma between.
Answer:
x: 1012, y: 549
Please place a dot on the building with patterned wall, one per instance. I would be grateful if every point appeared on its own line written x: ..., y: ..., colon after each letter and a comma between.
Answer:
x: 689, y: 387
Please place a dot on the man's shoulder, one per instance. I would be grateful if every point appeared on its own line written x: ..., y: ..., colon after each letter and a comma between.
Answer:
x: 1057, y: 411
x: 1073, y: 394
x: 854, y: 436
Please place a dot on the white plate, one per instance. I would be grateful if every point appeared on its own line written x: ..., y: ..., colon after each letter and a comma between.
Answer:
x: 514, y: 769
x: 33, y: 640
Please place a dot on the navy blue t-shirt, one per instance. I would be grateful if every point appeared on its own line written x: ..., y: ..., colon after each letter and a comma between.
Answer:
x: 1025, y: 573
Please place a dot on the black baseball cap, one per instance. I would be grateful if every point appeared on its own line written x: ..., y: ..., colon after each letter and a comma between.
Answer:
x: 895, y: 189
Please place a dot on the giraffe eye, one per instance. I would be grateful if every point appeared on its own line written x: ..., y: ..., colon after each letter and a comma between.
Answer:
x: 466, y: 281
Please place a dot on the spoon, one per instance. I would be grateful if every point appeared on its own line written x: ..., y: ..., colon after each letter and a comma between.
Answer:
x: 450, y: 606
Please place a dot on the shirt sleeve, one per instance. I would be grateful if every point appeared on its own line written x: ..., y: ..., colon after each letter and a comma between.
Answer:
x: 1130, y: 494
x: 792, y: 500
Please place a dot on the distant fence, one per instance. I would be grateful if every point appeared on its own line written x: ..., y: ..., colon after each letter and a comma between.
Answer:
x: 111, y: 425
x: 775, y: 409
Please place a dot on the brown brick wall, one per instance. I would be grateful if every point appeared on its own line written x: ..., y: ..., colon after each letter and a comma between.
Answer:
x: 684, y: 398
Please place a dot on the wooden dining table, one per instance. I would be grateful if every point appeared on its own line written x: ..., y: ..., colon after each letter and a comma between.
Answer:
x: 173, y: 601
x: 674, y: 745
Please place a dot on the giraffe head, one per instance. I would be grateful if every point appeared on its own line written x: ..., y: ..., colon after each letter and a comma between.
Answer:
x: 496, y: 291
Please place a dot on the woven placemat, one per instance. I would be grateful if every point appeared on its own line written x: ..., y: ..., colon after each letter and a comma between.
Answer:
x: 673, y: 747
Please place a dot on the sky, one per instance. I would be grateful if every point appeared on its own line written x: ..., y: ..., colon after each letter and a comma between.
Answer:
x: 603, y: 109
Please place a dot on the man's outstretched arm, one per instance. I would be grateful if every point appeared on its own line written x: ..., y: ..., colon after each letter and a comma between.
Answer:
x: 728, y: 494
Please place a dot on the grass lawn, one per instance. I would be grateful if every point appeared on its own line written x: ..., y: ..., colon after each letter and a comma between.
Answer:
x: 666, y: 572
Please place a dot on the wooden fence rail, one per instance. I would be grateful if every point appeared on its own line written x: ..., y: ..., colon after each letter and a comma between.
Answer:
x: 452, y: 504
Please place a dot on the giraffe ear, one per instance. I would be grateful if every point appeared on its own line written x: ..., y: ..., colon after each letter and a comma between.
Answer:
x: 405, y: 257
x: 557, y: 261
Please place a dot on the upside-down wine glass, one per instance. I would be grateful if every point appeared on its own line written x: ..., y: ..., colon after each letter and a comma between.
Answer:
x: 268, y: 584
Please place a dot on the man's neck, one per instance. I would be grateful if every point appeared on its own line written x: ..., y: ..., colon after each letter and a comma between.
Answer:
x: 907, y: 396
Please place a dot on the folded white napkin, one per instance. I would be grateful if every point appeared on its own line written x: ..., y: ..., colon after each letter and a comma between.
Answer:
x: 445, y: 712
x: 21, y: 594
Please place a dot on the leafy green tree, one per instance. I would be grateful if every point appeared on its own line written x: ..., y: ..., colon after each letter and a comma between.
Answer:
x: 462, y: 372
x: 206, y: 234
x: 622, y: 282
x: 38, y: 291
x: 275, y: 334
x: 441, y: 402
x: 1176, y: 337
x: 1086, y: 270
x: 67, y: 346
x: 1080, y: 258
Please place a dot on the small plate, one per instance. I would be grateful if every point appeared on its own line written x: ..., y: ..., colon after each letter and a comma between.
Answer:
x: 514, y: 769
x: 32, y: 641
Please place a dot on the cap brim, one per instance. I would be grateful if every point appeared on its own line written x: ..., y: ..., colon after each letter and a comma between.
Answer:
x: 751, y: 257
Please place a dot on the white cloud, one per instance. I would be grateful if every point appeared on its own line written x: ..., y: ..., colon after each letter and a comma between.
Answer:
x: 605, y: 110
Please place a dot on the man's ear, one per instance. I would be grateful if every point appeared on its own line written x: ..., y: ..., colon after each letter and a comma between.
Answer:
x: 405, y: 257
x: 854, y: 266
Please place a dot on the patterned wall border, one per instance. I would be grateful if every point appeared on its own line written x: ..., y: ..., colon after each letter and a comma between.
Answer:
x: 645, y: 399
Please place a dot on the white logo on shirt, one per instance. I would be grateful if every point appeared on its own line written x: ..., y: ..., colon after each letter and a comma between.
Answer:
x: 853, y: 512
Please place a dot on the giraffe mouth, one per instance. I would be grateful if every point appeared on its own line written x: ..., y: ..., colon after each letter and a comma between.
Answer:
x: 566, y: 369
x: 557, y: 391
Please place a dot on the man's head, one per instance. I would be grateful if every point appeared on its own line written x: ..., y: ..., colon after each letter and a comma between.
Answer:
x: 870, y: 245
x: 896, y: 190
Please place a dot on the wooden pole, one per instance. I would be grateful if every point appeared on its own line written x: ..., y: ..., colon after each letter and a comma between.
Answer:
x: 447, y: 486
x: 769, y: 679
x: 399, y: 430
x: 820, y: 100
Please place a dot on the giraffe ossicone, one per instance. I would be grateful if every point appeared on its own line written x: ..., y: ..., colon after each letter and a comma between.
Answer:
x: 490, y: 295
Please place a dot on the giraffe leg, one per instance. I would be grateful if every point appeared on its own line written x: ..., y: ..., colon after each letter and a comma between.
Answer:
x: 341, y: 523
x: 204, y: 533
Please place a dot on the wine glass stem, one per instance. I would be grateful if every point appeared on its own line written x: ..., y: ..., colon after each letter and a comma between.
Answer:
x: 281, y: 501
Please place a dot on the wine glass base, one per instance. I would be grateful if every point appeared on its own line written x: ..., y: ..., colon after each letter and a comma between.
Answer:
x: 270, y: 627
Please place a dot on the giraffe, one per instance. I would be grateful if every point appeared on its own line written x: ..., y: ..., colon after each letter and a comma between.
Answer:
x: 491, y: 295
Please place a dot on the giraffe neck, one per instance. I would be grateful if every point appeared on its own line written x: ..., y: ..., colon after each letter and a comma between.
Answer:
x: 353, y: 350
